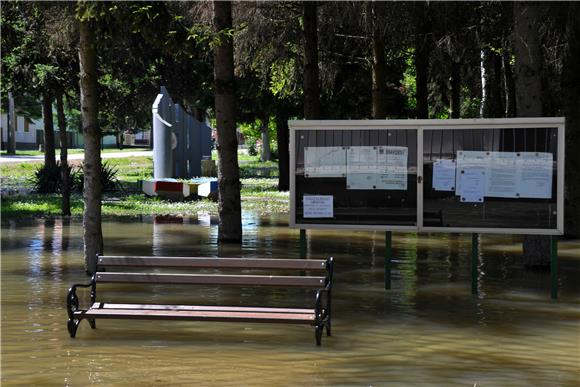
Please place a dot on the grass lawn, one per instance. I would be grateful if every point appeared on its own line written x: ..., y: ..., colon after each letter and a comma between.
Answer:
x: 74, y: 151
x: 129, y: 171
x: 259, y: 191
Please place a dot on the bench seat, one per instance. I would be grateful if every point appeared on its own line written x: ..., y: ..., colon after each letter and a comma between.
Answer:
x: 198, y: 313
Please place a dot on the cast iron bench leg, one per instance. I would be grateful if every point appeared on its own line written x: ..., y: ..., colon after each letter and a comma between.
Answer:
x: 72, y: 326
x: 318, y: 334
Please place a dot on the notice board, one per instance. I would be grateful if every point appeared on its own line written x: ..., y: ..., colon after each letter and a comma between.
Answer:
x: 483, y: 175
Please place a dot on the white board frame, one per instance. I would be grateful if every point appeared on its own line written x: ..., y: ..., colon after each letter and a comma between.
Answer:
x: 420, y: 126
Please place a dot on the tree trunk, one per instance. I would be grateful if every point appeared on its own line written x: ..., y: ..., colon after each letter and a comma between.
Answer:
x: 311, y: 77
x: 230, y: 213
x: 379, y: 63
x: 509, y: 86
x: 93, y: 235
x: 11, y: 140
x: 491, y: 85
x: 528, y: 100
x: 283, y: 136
x: 49, y: 154
x: 422, y: 52
x: 455, y: 89
x: 571, y: 108
x: 265, y: 154
x: 528, y: 60
x: 64, y: 168
x: 119, y: 139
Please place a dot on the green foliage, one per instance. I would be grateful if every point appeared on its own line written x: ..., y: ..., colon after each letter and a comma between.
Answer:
x: 48, y: 179
x: 257, y: 168
x: 129, y: 171
x: 39, y: 205
x: 252, y: 150
x: 408, y: 82
x: 259, y: 192
x: 73, y: 119
x: 258, y: 195
x: 93, y: 10
x: 470, y: 107
x: 252, y: 132
x: 109, y: 181
x: 199, y: 33
x: 25, y: 105
x: 282, y: 73
x: 45, y: 73
x: 119, y: 86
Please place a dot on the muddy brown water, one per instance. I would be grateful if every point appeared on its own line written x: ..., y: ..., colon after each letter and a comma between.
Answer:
x: 428, y: 330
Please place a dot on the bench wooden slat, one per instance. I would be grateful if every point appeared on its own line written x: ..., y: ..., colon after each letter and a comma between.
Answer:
x: 212, y: 279
x: 104, y: 305
x: 197, y: 315
x: 196, y: 262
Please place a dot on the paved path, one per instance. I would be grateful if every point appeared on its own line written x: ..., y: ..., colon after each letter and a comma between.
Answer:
x: 74, y: 156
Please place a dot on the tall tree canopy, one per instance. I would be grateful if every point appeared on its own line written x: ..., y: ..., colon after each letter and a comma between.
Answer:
x: 336, y: 60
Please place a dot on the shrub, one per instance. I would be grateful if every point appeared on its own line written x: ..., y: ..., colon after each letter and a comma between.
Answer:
x: 252, y: 151
x: 108, y: 177
x: 47, y: 179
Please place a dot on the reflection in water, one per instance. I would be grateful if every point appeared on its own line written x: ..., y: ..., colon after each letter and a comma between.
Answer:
x: 427, y: 330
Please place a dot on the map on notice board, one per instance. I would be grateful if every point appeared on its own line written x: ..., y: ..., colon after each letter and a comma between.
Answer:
x: 324, y: 161
x: 376, y: 167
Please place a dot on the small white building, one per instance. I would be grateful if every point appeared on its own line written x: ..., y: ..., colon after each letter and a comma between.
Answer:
x: 30, y: 135
x: 26, y: 132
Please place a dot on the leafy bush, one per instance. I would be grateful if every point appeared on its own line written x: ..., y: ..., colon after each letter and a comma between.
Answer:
x: 252, y: 150
x: 274, y: 154
x: 47, y: 179
x: 109, y: 180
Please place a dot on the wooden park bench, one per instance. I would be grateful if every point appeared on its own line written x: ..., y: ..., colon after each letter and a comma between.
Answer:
x: 308, y: 274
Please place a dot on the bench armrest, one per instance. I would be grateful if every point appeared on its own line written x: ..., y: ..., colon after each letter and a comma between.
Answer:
x: 322, y: 309
x: 322, y: 306
x: 72, y: 300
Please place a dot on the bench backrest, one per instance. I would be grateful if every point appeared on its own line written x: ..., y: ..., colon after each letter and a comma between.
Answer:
x: 322, y: 268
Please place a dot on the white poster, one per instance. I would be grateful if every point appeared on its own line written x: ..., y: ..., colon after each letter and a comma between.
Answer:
x: 502, y: 175
x: 470, y: 177
x: 535, y: 175
x: 326, y: 161
x: 471, y: 184
x: 376, y: 167
x: 318, y: 206
x: 361, y: 181
x: 394, y: 174
x: 507, y: 174
x: 444, y: 175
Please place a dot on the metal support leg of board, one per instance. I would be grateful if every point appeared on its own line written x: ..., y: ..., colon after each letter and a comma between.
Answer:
x: 554, y: 267
x: 474, y: 262
x: 302, y: 243
x: 388, y: 256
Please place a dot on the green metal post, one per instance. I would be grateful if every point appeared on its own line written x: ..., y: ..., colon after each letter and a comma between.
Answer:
x: 302, y: 243
x: 388, y: 255
x: 554, y: 267
x: 474, y: 262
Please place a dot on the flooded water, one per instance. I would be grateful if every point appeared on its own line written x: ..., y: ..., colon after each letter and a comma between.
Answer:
x: 427, y: 330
